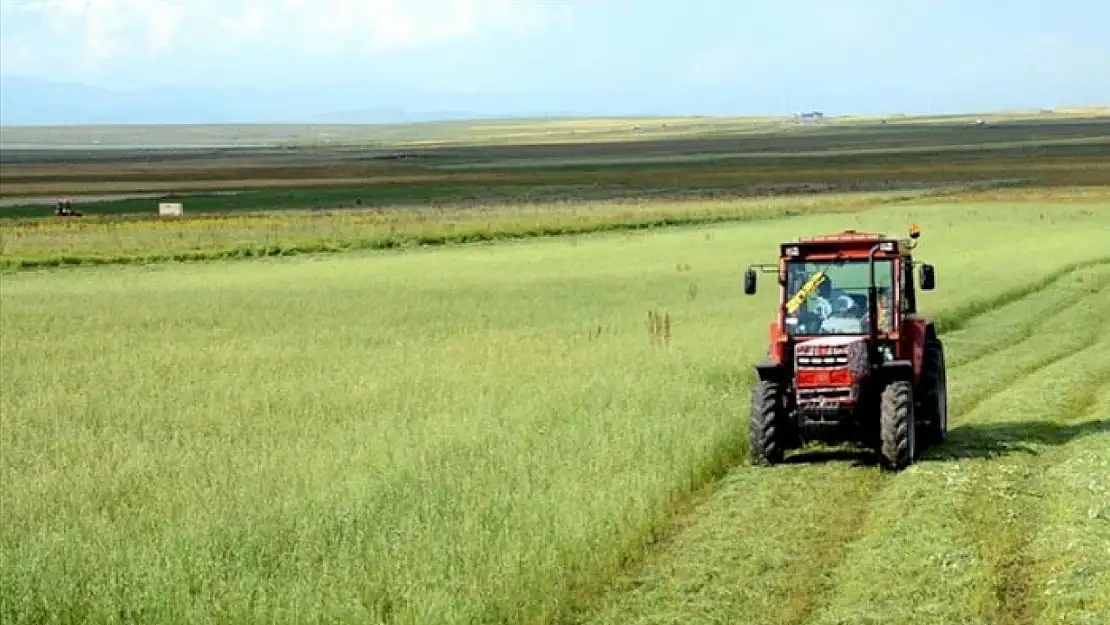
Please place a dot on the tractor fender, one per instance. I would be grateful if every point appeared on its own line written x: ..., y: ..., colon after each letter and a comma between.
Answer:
x: 897, y: 371
x: 769, y: 371
x: 930, y: 331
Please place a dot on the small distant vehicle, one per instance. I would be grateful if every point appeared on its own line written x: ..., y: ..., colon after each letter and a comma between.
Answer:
x: 64, y: 208
x: 850, y: 358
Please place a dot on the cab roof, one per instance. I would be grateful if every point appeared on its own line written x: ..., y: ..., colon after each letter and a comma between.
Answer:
x: 848, y: 243
x: 846, y: 236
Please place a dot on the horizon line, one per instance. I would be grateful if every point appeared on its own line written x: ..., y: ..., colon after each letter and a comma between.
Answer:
x: 1095, y: 109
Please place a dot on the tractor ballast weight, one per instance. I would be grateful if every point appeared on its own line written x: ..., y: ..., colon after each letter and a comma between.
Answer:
x: 861, y: 367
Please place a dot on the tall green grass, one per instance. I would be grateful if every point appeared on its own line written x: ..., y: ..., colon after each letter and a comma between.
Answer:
x: 482, y: 434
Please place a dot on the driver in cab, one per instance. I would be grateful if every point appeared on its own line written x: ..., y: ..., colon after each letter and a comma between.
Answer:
x: 811, y: 303
x: 823, y: 311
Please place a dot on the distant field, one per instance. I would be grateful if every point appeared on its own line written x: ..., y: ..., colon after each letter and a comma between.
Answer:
x: 472, y: 132
x: 492, y: 434
x: 769, y: 161
x: 480, y: 132
x: 335, y: 200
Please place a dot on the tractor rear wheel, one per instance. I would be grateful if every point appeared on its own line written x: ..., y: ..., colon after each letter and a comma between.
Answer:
x: 767, y: 424
x: 934, y: 394
x: 896, y: 426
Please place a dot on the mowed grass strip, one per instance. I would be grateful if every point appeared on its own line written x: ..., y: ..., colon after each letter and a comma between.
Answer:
x: 768, y: 546
x: 945, y: 542
x: 482, y: 434
x: 1068, y: 551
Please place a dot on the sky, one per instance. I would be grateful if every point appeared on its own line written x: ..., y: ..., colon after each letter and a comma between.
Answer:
x: 575, y: 56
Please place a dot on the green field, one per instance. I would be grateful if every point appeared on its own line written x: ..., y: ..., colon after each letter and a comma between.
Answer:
x: 486, y: 434
x: 408, y: 432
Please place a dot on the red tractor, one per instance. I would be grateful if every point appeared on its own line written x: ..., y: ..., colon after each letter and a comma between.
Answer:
x: 850, y: 359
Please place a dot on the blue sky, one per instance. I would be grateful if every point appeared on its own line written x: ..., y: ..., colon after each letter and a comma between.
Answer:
x: 588, y: 56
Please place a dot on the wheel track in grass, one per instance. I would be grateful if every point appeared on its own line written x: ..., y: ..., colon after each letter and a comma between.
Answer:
x: 1077, y: 402
x: 1007, y: 550
x: 1072, y: 496
x: 1016, y: 582
x: 856, y: 492
x: 1013, y: 340
x: 978, y: 398
x: 978, y: 529
x: 961, y: 316
x: 1026, y: 331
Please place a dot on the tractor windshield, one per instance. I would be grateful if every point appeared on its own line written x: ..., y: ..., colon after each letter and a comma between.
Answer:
x: 831, y: 297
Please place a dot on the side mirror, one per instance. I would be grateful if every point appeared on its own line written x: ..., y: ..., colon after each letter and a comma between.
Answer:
x: 928, y: 279
x: 749, y: 282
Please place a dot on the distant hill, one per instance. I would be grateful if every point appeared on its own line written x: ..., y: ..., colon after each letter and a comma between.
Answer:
x: 33, y: 102
x: 25, y: 101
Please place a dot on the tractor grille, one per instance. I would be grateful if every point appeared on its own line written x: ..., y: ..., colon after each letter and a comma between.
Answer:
x: 835, y: 359
x: 822, y: 356
x: 827, y: 375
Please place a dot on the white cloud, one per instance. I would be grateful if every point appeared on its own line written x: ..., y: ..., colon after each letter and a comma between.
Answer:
x: 108, y: 31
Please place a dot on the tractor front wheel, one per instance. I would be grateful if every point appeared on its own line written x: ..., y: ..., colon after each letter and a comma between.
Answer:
x: 767, y: 424
x: 896, y: 425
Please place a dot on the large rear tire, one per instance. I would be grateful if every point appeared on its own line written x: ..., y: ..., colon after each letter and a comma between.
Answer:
x: 934, y: 395
x: 896, y: 426
x: 768, y: 426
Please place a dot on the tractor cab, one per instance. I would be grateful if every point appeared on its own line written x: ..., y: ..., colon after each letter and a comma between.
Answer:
x: 836, y: 284
x: 846, y: 326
